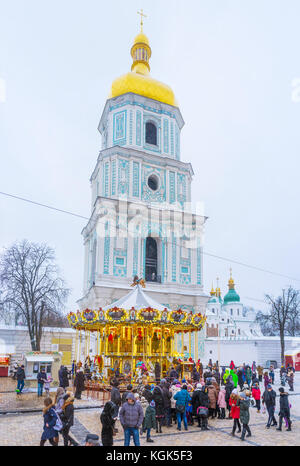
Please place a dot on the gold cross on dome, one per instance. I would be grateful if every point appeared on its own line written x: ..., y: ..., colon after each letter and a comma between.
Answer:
x: 142, y: 14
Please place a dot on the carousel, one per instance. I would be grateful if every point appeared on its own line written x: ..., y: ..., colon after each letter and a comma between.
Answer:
x: 136, y: 336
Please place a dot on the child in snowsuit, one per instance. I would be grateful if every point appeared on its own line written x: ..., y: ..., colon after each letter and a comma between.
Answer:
x: 149, y: 421
x: 256, y: 395
x: 222, y: 403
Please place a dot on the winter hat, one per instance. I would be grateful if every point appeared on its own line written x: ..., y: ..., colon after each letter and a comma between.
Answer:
x: 183, y: 381
x: 152, y: 404
x: 281, y: 389
x: 235, y: 392
x: 131, y: 396
x: 269, y: 385
x: 178, y: 385
x: 199, y: 385
x: 242, y: 395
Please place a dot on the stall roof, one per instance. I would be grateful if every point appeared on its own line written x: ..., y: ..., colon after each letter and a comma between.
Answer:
x: 39, y: 358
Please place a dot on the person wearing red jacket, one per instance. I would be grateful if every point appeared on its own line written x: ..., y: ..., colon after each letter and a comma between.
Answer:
x: 256, y: 395
x: 235, y: 411
x: 232, y: 366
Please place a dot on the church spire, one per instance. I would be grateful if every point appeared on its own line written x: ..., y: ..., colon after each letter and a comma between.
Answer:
x: 141, y: 51
x: 231, y: 281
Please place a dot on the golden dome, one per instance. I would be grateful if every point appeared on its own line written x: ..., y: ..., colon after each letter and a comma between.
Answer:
x: 138, y: 81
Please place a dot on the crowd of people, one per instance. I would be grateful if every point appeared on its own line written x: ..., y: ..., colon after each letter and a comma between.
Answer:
x: 207, y: 394
x: 210, y: 393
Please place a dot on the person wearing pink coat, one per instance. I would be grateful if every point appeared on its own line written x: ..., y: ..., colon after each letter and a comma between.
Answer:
x: 222, y: 403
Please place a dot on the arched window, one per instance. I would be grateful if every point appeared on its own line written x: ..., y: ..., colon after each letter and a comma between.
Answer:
x: 151, y: 260
x: 151, y: 133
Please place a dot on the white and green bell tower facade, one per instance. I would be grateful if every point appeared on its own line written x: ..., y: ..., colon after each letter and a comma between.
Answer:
x: 141, y: 222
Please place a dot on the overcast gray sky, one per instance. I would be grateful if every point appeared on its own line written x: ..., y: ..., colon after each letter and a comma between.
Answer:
x: 235, y: 70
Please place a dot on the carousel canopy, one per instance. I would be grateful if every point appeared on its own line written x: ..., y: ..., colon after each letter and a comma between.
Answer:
x: 138, y: 299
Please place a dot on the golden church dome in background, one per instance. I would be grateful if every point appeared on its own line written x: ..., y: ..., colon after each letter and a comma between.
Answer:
x: 139, y: 81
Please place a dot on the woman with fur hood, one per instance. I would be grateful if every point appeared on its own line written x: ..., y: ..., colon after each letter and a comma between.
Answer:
x: 222, y: 403
x: 50, y: 418
x: 244, y: 404
x: 59, y: 399
x: 67, y: 417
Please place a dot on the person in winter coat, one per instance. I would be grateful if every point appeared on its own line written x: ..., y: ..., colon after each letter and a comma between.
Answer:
x: 195, y: 374
x: 244, y: 404
x: 226, y: 375
x: 267, y: 380
x: 63, y: 377
x: 269, y: 399
x: 196, y: 398
x: 283, y: 374
x: 235, y: 411
x: 228, y: 389
x: 182, y: 398
x: 222, y: 403
x: 290, y: 379
x: 248, y: 375
x: 41, y: 379
x: 59, y: 399
x: 240, y: 377
x: 212, y: 396
x: 147, y: 393
x: 167, y: 395
x: 203, y: 403
x: 50, y: 418
x: 108, y: 419
x: 79, y: 383
x: 175, y: 387
x: 124, y: 395
x: 173, y: 374
x: 260, y: 371
x: 231, y: 365
x: 159, y: 407
x: 234, y: 378
x: 67, y: 417
x: 256, y: 395
x: 149, y: 420
x: 20, y: 374
x: 157, y: 372
x: 284, y: 409
x: 272, y: 374
x: 131, y: 417
x: 115, y: 397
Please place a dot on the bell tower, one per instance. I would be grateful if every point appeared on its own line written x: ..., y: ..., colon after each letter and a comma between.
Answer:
x: 141, y: 221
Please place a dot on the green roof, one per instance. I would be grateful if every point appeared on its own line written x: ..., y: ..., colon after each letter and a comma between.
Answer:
x: 231, y: 297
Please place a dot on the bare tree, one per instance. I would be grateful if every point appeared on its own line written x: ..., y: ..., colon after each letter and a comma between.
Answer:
x: 284, y: 309
x: 31, y: 286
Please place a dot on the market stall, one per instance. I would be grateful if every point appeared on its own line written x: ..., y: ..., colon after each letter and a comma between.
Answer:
x: 35, y: 361
x: 4, y: 364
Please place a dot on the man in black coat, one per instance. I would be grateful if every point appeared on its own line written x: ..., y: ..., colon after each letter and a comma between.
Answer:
x: 79, y: 384
x: 167, y: 395
x: 20, y: 378
x: 67, y: 418
x: 115, y: 397
x: 147, y: 394
x: 63, y: 377
x: 284, y: 409
x: 228, y: 389
x: 269, y: 399
x: 41, y: 378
